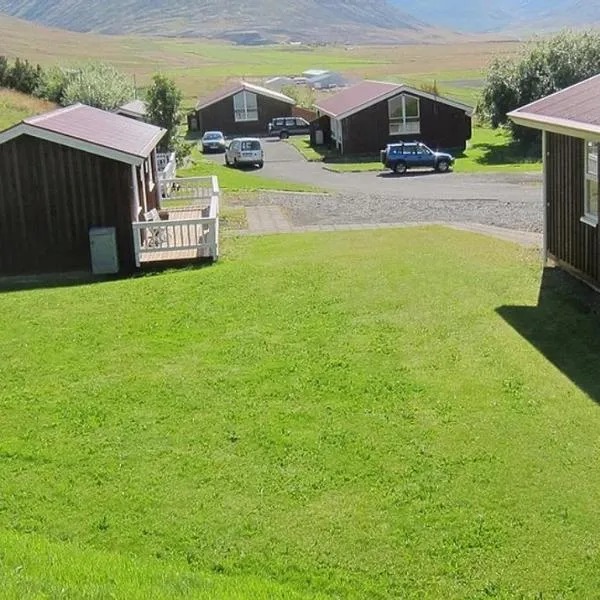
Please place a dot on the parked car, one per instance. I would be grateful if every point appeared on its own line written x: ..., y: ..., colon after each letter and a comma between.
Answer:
x: 245, y: 151
x: 409, y: 155
x: 213, y: 141
x: 283, y: 127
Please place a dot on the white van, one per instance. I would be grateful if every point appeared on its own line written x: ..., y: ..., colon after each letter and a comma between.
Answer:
x: 245, y: 151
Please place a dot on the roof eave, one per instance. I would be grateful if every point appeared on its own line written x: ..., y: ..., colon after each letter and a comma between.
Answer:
x: 390, y: 94
x: 555, y: 125
x: 70, y: 142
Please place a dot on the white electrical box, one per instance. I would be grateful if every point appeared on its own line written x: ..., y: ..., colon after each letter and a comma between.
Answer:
x: 103, y: 250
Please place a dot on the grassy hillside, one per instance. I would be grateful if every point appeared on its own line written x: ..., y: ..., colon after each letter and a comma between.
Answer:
x: 200, y: 67
x: 15, y: 106
x: 381, y: 415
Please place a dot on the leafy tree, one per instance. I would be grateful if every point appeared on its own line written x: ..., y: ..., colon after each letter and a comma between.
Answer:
x: 96, y: 84
x: 23, y: 76
x: 54, y: 83
x: 3, y: 70
x: 302, y: 94
x: 163, y: 100
x: 542, y: 68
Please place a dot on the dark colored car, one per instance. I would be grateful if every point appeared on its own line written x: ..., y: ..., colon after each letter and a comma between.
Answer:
x: 213, y: 141
x: 283, y: 127
x: 411, y: 155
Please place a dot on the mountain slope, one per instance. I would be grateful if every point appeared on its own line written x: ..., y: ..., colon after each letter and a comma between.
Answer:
x: 319, y: 20
x: 503, y: 15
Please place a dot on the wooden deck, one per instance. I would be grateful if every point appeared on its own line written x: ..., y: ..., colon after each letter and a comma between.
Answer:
x: 181, y: 237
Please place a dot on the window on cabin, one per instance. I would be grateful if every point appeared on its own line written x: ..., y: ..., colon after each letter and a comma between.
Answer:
x: 245, y: 107
x: 404, y: 115
x: 591, y: 182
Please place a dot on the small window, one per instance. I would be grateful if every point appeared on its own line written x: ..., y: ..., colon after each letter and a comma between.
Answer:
x: 290, y: 122
x: 591, y: 183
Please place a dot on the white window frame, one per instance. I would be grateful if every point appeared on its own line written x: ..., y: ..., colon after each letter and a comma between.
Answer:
x: 591, y: 155
x: 245, y: 114
x: 404, y: 125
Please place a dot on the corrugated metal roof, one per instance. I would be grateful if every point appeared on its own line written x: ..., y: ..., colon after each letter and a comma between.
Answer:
x: 239, y: 86
x: 578, y: 105
x: 100, y: 128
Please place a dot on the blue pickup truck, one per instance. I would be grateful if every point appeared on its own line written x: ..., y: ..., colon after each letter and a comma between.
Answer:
x: 409, y: 155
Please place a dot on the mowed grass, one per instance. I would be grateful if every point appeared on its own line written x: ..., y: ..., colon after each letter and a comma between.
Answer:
x: 14, y: 107
x: 356, y: 415
x: 489, y: 150
x: 246, y: 179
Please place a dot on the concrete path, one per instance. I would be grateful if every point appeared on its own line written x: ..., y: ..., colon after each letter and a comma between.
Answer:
x: 265, y: 220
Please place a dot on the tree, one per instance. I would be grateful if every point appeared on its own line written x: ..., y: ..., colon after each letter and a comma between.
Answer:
x: 99, y: 85
x: 54, y: 82
x: 3, y: 70
x: 163, y: 100
x: 542, y: 68
x: 23, y: 76
x: 303, y: 95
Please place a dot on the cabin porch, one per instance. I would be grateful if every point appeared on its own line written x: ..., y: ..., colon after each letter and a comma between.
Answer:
x: 186, y: 225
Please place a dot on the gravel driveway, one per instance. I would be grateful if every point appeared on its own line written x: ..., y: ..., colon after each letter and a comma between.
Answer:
x: 513, y: 201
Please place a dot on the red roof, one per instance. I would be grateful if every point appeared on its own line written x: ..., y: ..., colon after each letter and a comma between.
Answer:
x: 577, y: 106
x: 239, y: 86
x: 100, y: 128
x: 352, y: 98
x: 367, y: 93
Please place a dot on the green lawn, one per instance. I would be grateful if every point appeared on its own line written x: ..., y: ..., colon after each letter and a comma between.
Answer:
x: 346, y: 414
x: 489, y: 151
x: 237, y: 179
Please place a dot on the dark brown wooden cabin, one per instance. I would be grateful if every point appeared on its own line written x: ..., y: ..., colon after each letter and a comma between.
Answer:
x: 570, y: 125
x: 240, y: 109
x: 365, y: 117
x: 65, y: 172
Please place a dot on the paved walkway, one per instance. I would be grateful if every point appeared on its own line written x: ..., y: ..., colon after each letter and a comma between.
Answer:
x: 265, y: 220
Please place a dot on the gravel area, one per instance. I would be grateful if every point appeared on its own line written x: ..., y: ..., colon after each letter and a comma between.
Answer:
x: 345, y: 208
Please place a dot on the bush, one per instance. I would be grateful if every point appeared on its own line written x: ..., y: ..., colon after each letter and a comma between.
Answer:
x: 542, y: 68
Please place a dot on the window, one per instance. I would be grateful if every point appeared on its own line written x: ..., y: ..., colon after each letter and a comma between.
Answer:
x: 591, y: 183
x: 245, y: 107
x: 404, y: 116
x: 290, y: 122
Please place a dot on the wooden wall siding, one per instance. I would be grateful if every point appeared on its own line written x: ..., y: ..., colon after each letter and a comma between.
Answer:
x: 569, y: 240
x: 442, y: 127
x: 50, y: 196
x: 220, y: 117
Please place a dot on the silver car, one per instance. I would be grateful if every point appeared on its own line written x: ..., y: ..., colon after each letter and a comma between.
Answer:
x: 213, y: 141
x: 245, y: 151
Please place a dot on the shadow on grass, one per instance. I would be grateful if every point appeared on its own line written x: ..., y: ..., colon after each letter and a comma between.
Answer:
x: 511, y: 153
x: 21, y: 283
x: 563, y: 327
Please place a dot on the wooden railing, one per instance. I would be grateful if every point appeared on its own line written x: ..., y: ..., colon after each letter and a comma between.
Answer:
x: 188, y: 191
x: 192, y: 229
x: 166, y: 165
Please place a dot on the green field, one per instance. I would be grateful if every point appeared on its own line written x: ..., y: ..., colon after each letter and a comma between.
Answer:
x: 200, y: 66
x: 489, y: 150
x: 347, y: 414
